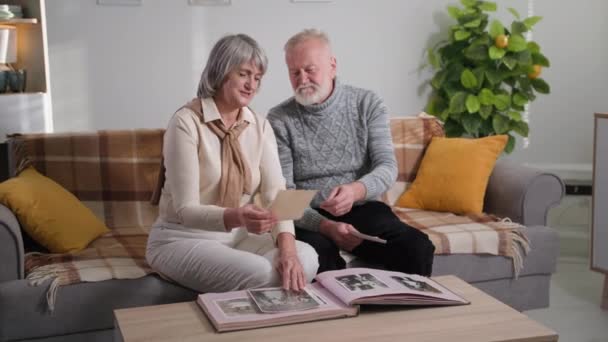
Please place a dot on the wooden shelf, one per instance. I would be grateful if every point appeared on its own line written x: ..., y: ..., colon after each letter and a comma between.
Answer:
x: 8, y: 93
x: 19, y: 21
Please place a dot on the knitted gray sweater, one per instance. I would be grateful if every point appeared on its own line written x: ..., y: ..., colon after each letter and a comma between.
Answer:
x: 342, y: 140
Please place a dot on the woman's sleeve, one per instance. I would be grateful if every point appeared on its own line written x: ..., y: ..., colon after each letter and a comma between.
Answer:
x: 180, y: 151
x: 271, y: 176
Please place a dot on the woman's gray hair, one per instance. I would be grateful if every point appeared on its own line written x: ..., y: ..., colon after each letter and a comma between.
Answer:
x: 307, y: 34
x: 228, y: 53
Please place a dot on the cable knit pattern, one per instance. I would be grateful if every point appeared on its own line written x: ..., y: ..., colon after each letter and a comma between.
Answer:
x: 342, y: 140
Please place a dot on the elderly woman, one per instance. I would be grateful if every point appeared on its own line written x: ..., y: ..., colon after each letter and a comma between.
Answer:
x: 218, y: 154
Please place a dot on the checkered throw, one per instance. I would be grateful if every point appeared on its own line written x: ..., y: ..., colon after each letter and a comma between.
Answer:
x: 470, y: 234
x: 119, y: 254
x: 113, y: 173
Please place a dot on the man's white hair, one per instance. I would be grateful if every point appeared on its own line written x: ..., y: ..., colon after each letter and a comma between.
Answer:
x: 307, y: 34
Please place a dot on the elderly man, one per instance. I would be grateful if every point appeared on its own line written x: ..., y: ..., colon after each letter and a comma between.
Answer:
x: 335, y: 138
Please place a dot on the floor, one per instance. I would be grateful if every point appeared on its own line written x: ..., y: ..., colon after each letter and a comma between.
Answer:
x: 574, y: 312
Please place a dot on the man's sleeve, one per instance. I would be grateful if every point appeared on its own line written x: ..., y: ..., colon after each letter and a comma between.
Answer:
x: 383, y: 168
x: 311, y: 218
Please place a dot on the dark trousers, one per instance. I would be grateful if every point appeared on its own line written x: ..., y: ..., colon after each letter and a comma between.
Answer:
x: 407, y: 249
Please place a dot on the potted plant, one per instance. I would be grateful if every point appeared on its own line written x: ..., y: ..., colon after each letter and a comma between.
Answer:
x: 485, y: 73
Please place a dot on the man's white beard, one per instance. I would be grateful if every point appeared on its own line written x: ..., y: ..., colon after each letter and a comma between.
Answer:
x: 319, y: 93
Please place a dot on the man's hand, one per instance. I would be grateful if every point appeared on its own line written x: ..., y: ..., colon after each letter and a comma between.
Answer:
x: 340, y: 233
x: 288, y: 264
x: 341, y: 198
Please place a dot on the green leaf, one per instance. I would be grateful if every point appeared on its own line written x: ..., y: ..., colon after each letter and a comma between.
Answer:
x: 500, y: 123
x: 517, y: 27
x: 531, y: 21
x: 454, y: 72
x: 488, y: 6
x: 439, y: 79
x: 479, y: 73
x: 436, y: 105
x: 467, y: 79
x: 514, y: 12
x: 453, y: 128
x: 445, y: 114
x: 541, y: 86
x: 521, y: 128
x: 473, y: 23
x: 515, y: 116
x: 496, y: 53
x: 493, y: 76
x: 539, y: 58
x: 432, y: 58
x: 461, y: 35
x: 533, y: 47
x: 476, y: 52
x: 502, y: 101
x: 457, y: 102
x: 486, y: 111
x: 486, y: 97
x: 510, y: 144
x: 520, y: 99
x: 524, y: 84
x: 524, y: 57
x: 496, y: 29
x: 510, y: 62
x: 471, y: 123
x: 517, y: 43
x: 468, y: 3
x: 454, y: 12
x: 472, y: 104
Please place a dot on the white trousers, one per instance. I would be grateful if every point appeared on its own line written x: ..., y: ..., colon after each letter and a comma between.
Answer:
x: 208, y: 265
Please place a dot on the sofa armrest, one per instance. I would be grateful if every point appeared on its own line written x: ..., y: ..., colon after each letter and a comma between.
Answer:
x: 521, y: 193
x: 11, y: 246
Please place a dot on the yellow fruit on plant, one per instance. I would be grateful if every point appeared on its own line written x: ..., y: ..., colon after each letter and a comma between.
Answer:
x: 536, y: 69
x: 501, y: 41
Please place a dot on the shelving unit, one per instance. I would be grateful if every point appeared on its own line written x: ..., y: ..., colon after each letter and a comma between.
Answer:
x: 30, y: 111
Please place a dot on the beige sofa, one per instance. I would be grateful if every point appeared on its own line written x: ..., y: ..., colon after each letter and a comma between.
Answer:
x: 84, y: 311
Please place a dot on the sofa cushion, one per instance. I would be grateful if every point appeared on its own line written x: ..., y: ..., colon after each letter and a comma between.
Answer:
x: 454, y: 174
x: 50, y: 214
x: 80, y: 307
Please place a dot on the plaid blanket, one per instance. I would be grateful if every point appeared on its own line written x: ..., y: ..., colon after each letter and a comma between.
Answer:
x: 470, y: 234
x: 119, y: 254
x: 113, y: 173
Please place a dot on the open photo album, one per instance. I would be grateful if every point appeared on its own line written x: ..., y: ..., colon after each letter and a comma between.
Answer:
x: 335, y: 294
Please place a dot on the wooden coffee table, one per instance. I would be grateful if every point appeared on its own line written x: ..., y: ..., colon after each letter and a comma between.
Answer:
x: 485, y: 319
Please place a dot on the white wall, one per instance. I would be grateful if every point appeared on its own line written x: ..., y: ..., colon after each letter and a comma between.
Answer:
x: 127, y: 67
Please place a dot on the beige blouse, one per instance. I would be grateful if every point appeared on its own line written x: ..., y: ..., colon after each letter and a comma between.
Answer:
x: 193, y: 168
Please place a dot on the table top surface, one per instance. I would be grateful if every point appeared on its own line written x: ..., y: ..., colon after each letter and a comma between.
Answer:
x: 485, y: 319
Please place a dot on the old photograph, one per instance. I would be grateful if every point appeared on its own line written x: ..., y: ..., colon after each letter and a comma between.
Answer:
x: 360, y: 282
x: 417, y: 285
x: 237, y: 307
x: 279, y: 300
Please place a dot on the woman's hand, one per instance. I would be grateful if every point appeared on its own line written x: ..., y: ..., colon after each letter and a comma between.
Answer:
x: 255, y: 219
x: 288, y: 265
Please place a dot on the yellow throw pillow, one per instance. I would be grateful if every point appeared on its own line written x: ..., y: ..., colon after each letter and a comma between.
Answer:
x: 51, y: 215
x: 454, y: 174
